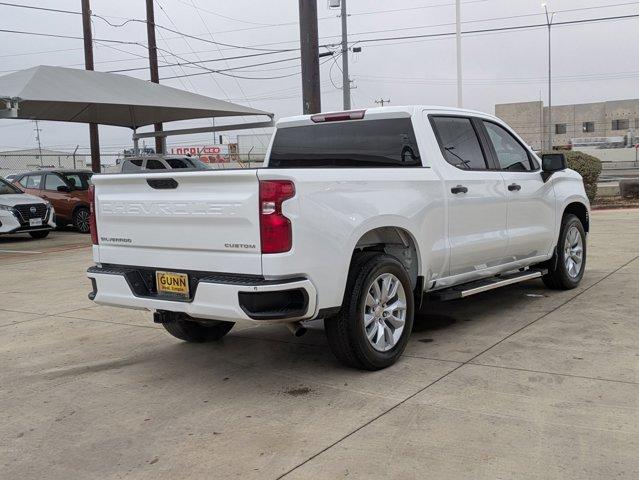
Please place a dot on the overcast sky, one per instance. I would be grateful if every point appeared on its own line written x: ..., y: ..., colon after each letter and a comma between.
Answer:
x: 591, y: 62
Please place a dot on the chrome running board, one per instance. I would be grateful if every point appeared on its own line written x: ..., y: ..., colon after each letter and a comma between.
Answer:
x: 479, y: 286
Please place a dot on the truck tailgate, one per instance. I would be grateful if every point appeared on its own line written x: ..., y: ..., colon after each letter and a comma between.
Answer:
x: 203, y: 221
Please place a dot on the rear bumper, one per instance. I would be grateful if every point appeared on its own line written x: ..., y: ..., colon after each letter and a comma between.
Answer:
x: 230, y: 298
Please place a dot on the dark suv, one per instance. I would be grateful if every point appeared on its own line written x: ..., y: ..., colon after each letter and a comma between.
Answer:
x: 66, y: 190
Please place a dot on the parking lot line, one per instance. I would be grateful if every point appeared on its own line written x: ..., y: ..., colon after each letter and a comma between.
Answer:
x: 19, y: 251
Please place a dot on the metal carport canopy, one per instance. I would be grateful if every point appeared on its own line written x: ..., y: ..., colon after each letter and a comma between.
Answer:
x: 72, y: 95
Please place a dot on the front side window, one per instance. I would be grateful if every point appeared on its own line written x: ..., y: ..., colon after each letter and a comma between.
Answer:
x: 511, y: 155
x: 79, y: 181
x: 31, y: 181
x: 459, y: 143
x: 560, y: 128
x: 354, y: 144
x: 153, y: 164
x: 176, y: 163
x: 53, y: 181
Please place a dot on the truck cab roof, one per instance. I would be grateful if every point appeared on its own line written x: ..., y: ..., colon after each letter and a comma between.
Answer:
x: 379, y: 113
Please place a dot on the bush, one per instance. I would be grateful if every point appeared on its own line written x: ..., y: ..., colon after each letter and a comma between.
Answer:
x: 588, y: 167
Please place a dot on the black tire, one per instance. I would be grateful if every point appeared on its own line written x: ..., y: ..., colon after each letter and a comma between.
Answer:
x: 195, y: 332
x: 81, y: 219
x: 558, y: 277
x: 345, y: 331
x: 39, y: 234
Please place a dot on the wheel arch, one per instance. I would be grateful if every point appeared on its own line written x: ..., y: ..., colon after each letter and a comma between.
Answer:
x: 78, y: 206
x: 396, y: 241
x: 580, y: 211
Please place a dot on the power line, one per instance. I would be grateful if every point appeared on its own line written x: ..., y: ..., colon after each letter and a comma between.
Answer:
x: 71, y: 37
x: 497, y: 29
x: 32, y: 7
x: 182, y: 34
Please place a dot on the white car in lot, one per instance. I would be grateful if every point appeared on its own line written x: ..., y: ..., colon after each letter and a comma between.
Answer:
x: 356, y: 218
x: 23, y: 213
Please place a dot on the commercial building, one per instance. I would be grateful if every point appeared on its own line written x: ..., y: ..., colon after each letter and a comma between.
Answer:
x: 602, y: 124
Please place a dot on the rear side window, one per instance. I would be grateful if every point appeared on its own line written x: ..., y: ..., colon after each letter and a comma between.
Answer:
x: 370, y: 143
x: 132, y: 166
x: 459, y: 143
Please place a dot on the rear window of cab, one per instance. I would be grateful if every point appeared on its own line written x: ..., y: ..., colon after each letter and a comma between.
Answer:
x: 352, y: 144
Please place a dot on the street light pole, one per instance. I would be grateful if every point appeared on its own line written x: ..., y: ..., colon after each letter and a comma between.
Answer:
x: 549, y: 18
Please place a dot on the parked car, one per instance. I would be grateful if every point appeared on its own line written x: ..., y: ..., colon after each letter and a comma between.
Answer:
x: 23, y: 213
x: 356, y: 218
x: 159, y: 162
x: 66, y: 190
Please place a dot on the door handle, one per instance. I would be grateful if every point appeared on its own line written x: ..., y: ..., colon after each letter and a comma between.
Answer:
x: 513, y: 187
x: 459, y: 189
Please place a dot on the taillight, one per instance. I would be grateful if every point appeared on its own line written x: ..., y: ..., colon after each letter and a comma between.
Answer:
x: 275, y: 229
x: 92, y: 225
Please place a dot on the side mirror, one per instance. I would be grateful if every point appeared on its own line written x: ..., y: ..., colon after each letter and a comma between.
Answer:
x: 64, y: 188
x: 551, y: 163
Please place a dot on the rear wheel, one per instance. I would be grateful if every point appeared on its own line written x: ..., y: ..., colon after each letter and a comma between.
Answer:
x: 566, y: 267
x: 196, y: 332
x: 39, y: 234
x: 81, y: 219
x: 373, y: 326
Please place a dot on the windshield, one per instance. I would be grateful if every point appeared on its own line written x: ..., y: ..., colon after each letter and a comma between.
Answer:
x: 79, y: 181
x: 7, y: 189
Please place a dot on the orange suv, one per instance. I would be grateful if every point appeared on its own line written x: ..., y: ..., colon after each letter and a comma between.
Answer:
x: 66, y: 190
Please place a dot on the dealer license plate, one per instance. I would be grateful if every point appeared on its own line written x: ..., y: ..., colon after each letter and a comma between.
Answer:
x: 172, y: 283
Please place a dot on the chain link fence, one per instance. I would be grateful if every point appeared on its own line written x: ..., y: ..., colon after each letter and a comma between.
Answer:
x: 13, y: 163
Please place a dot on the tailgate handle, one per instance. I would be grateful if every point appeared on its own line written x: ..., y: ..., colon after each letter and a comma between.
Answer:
x: 162, y: 183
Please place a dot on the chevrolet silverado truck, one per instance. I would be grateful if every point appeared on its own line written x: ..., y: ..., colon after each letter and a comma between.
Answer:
x: 356, y: 218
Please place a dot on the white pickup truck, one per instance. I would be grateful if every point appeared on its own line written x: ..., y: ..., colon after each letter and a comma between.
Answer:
x: 355, y: 218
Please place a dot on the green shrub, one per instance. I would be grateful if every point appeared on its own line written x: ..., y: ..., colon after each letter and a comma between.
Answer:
x: 588, y: 167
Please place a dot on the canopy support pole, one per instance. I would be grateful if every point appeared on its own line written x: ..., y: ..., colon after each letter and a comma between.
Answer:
x: 136, y: 144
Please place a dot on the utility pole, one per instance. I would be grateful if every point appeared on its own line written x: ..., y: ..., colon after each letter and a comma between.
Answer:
x: 346, y: 81
x: 37, y: 130
x: 549, y: 19
x: 311, y: 100
x: 381, y: 101
x: 94, y: 138
x: 160, y: 142
x: 460, y: 100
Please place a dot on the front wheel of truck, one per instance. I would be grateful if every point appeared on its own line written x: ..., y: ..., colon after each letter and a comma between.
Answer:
x: 193, y: 331
x: 373, y: 326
